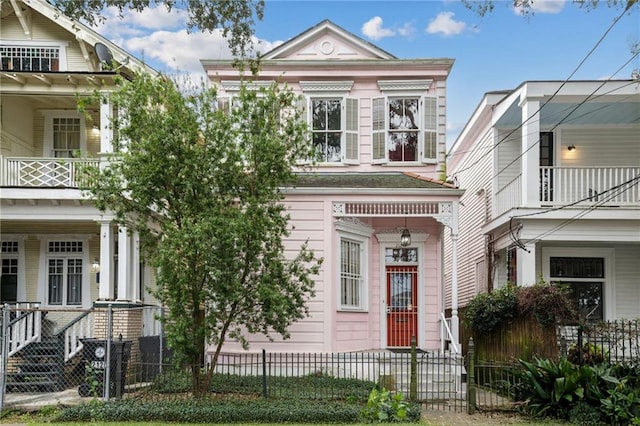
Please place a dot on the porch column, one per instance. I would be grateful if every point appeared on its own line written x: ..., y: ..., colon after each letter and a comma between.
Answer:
x: 530, y: 148
x: 526, y: 265
x: 135, y: 268
x: 455, y: 321
x: 124, y: 263
x: 105, y: 286
x: 106, y: 128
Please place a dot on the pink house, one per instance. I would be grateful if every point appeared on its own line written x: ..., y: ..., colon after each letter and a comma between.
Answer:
x: 375, y: 208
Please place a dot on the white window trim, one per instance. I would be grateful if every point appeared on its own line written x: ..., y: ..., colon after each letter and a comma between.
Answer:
x: 609, y: 307
x: 49, y: 115
x: 354, y: 230
x: 43, y: 269
x: 423, y: 98
x: 334, y: 90
x: 61, y: 45
x: 22, y: 270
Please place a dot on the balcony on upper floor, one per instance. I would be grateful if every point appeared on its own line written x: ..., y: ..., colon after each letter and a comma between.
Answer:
x: 586, y: 187
x: 33, y: 172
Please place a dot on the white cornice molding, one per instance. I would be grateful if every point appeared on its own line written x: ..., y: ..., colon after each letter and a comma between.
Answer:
x: 355, y: 226
x: 327, y: 86
x: 234, y: 85
x: 396, y: 85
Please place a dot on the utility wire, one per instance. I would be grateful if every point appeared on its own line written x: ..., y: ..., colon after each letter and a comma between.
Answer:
x: 615, y: 21
x: 618, y: 191
x: 565, y: 118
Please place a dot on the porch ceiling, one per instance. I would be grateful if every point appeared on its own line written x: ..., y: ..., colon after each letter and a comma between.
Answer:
x: 598, y: 113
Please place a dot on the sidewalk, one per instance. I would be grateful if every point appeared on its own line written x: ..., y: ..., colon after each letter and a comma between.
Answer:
x: 26, y: 401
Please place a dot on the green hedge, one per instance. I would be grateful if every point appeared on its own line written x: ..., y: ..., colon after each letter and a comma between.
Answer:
x: 311, y: 386
x: 207, y: 411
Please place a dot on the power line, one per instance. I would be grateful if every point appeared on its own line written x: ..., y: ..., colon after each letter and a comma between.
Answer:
x: 615, y: 21
x: 619, y: 190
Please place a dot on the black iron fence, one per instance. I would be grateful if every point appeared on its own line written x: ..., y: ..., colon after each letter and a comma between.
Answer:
x: 433, y: 379
x: 612, y: 342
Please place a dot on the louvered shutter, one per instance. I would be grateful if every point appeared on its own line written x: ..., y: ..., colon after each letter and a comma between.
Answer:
x: 351, y: 146
x: 379, y: 150
x: 430, y: 129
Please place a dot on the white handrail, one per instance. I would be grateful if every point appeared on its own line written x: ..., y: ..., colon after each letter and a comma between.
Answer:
x: 446, y: 327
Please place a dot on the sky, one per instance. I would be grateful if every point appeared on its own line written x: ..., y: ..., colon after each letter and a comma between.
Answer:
x: 496, y: 52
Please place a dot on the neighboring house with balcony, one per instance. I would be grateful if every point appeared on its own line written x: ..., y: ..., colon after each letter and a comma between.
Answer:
x: 58, y: 252
x: 551, y: 173
x: 378, y: 123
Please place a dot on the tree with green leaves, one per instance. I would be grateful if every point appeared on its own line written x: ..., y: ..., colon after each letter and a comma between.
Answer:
x: 203, y: 188
x: 235, y: 18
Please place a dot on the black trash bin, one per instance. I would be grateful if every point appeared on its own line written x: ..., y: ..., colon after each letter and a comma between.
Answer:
x: 94, y: 356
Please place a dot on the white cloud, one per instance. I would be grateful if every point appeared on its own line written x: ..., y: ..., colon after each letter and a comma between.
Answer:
x: 541, y: 6
x: 445, y: 24
x: 373, y: 29
x: 180, y: 50
x: 407, y: 30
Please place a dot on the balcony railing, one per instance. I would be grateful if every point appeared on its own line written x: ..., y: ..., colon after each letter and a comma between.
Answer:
x: 508, y: 197
x: 609, y: 186
x: 34, y: 172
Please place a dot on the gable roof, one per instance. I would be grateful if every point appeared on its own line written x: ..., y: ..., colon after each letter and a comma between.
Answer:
x: 86, y: 36
x: 323, y: 28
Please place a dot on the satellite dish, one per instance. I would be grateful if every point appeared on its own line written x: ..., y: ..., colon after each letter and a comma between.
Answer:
x: 104, y: 56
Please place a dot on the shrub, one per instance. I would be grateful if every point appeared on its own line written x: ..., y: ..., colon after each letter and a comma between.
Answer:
x: 591, y: 354
x: 214, y: 411
x: 583, y: 414
x: 487, y: 311
x: 548, y: 304
x: 382, y: 406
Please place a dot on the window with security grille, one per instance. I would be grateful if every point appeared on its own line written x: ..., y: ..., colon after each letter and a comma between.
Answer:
x: 351, y: 278
x: 29, y: 58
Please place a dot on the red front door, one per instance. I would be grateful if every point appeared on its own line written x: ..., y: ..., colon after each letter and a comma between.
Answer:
x: 402, y: 306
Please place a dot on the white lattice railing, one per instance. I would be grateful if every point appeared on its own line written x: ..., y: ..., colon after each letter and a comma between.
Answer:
x: 42, y: 172
x: 588, y: 185
x: 508, y: 197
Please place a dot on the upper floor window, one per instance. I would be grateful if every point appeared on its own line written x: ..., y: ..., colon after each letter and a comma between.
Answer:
x: 334, y: 126
x: 30, y: 58
x: 64, y: 134
x: 404, y: 129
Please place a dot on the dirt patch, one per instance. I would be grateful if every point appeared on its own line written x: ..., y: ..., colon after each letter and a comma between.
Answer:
x: 451, y: 418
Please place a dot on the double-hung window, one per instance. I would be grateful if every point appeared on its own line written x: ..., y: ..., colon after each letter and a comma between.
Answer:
x: 9, y: 272
x: 404, y: 125
x: 333, y: 120
x: 65, y: 134
x: 353, y: 240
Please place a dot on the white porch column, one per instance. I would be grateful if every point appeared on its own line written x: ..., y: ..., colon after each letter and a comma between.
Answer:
x: 526, y: 265
x: 105, y: 286
x: 106, y: 128
x: 455, y: 321
x: 530, y: 160
x: 124, y: 263
x: 135, y: 268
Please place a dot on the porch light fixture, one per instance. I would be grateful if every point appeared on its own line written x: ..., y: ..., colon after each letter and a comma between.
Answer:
x: 571, y: 148
x: 405, y: 237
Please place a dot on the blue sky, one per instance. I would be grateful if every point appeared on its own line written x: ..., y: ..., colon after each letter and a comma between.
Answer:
x: 495, y: 52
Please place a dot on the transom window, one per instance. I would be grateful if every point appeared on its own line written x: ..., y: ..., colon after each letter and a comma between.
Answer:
x: 65, y: 246
x: 404, y: 129
x: 30, y: 58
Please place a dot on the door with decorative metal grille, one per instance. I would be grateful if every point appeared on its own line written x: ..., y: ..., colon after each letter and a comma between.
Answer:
x: 402, y: 306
